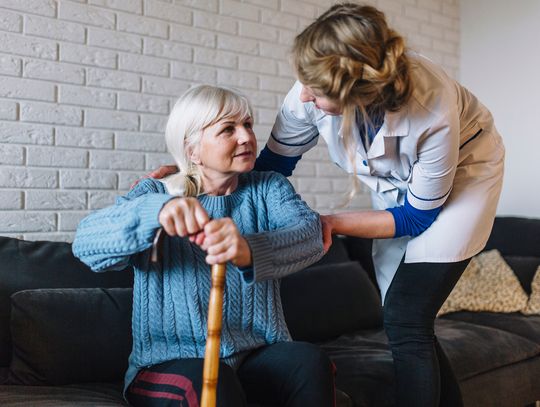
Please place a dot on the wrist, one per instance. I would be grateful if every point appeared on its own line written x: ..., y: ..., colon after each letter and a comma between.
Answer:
x: 328, y: 222
x: 244, y: 259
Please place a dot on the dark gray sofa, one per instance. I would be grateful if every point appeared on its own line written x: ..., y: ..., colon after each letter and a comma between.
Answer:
x: 69, y: 345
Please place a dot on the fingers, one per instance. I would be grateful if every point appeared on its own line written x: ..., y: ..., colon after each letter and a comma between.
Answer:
x: 183, y: 217
x: 233, y: 253
x: 163, y: 171
x: 201, y: 216
x: 189, y: 222
x: 223, y: 242
x: 326, y: 232
x: 327, y: 239
x: 220, y: 254
x: 197, y: 238
x: 218, y: 232
x: 168, y: 224
x: 220, y: 238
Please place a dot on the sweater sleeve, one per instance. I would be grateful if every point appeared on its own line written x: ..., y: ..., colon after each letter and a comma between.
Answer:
x: 107, y: 238
x: 294, y: 236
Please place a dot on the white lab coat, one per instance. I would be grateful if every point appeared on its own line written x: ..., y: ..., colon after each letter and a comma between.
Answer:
x: 441, y: 148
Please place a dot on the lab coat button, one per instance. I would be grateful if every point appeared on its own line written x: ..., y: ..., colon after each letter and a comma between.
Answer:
x: 364, y: 162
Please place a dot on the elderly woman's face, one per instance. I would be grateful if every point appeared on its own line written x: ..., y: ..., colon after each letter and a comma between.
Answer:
x: 227, y: 147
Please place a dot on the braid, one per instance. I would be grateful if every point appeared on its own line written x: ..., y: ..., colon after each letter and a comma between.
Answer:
x: 192, y: 182
x: 352, y: 43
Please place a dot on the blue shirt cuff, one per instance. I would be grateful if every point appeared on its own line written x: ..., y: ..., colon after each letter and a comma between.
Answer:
x: 270, y: 161
x: 410, y: 221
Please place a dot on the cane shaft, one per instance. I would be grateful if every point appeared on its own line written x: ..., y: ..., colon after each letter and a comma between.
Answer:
x: 211, y: 354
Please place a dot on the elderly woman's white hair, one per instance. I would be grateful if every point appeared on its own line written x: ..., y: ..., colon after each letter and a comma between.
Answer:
x: 198, y: 108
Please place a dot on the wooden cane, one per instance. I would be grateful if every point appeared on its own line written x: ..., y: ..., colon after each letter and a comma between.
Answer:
x: 211, y: 353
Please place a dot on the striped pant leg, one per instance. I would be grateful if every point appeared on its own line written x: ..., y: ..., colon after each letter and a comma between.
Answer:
x: 178, y: 383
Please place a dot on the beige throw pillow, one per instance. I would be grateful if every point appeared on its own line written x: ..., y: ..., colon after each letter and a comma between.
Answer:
x: 487, y: 284
x: 533, y: 306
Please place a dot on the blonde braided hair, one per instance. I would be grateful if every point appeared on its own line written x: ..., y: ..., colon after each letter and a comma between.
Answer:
x: 350, y: 55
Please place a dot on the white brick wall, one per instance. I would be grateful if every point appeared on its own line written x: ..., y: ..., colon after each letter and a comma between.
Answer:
x: 85, y: 87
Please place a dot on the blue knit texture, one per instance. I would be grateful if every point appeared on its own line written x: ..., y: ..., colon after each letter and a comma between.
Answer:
x: 170, y: 299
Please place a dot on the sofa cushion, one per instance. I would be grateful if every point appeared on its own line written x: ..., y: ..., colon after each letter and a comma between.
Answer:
x: 322, y: 302
x: 28, y: 265
x: 515, y: 385
x: 487, y: 284
x: 86, y: 395
x: 533, y: 305
x: 365, y: 368
x: 473, y: 349
x: 64, y: 336
x: 515, y: 322
x: 80, y: 395
x: 524, y: 267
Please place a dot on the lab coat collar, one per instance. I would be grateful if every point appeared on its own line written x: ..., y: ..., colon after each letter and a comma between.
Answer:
x: 396, y: 124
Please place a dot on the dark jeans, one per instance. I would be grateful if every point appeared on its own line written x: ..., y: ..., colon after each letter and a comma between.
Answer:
x: 424, y: 376
x: 294, y: 374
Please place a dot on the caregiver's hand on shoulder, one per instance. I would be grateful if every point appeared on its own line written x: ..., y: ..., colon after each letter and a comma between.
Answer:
x: 327, y: 228
x: 159, y: 173
x: 163, y: 171
x: 223, y: 242
x: 184, y: 217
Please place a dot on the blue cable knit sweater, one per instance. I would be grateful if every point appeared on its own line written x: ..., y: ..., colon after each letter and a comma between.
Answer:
x: 170, y: 299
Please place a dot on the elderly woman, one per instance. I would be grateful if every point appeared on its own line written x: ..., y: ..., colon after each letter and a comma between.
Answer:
x: 214, y: 210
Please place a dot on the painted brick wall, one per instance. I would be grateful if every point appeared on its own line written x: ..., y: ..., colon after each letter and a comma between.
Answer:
x: 85, y: 87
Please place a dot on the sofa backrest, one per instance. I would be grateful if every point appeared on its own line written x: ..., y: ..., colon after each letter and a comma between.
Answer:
x: 518, y: 240
x: 30, y: 265
x: 515, y: 236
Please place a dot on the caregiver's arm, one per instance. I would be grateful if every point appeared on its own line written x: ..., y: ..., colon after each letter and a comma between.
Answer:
x: 404, y: 220
x: 369, y: 224
x: 432, y: 178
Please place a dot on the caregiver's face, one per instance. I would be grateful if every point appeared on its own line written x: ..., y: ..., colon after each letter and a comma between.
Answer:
x: 321, y: 102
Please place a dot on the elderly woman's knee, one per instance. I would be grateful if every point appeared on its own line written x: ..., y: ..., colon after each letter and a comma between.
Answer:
x: 229, y: 388
x: 311, y: 359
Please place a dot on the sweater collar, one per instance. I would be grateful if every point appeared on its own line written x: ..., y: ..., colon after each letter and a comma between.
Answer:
x: 224, y: 202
